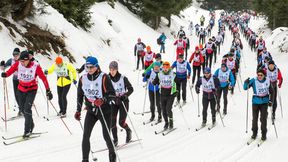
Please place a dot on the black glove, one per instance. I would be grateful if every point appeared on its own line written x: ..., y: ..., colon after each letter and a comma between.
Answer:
x: 197, y: 90
x: 270, y: 103
x: 3, y: 75
x: 156, y: 81
x: 124, y: 97
x: 2, y: 63
x: 143, y: 74
x: 49, y: 94
x: 46, y: 72
x: 77, y: 70
x: 247, y: 81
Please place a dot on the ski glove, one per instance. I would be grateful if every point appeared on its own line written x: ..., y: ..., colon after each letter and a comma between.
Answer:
x: 188, y: 76
x: 197, y: 90
x: 270, y: 103
x: 77, y: 116
x: 49, y: 94
x: 46, y: 72
x: 247, y: 81
x: 75, y: 82
x: 3, y: 75
x: 175, y: 94
x: 124, y: 97
x: 156, y: 81
x: 99, y: 102
x: 2, y: 63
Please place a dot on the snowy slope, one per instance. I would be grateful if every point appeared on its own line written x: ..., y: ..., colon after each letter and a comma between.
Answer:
x: 219, y: 144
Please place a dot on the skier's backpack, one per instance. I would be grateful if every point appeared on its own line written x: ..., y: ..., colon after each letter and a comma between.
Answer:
x: 158, y: 41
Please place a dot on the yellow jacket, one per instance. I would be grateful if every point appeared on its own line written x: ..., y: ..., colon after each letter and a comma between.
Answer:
x: 65, y: 74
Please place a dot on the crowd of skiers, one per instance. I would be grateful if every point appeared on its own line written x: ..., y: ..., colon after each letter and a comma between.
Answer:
x: 106, y: 95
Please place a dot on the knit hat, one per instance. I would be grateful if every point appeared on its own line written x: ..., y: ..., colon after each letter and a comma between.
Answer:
x: 260, y: 70
x: 196, y: 48
x: 113, y: 65
x: 166, y: 63
x: 16, y: 51
x: 158, y: 55
x: 148, y: 48
x: 58, y: 60
x: 207, y: 70
x: 24, y: 55
x: 92, y: 61
x: 157, y: 64
x: 271, y: 62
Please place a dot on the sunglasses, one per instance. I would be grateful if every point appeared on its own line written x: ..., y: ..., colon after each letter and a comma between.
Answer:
x: 90, y: 67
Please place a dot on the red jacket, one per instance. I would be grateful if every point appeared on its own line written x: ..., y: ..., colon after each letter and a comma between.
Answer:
x: 181, y: 47
x: 196, y: 62
x: 31, y: 85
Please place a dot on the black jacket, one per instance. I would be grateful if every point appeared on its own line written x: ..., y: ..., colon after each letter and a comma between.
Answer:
x: 107, y: 91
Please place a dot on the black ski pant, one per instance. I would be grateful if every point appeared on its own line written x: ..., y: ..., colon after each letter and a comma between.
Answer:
x: 262, y: 108
x: 218, y: 47
x: 167, y: 103
x: 181, y: 84
x: 215, y: 55
x: 202, y: 39
x: 15, y: 88
x: 91, y: 118
x: 122, y: 117
x: 196, y: 70
x: 152, y: 103
x: 62, y: 97
x: 139, y: 57
x: 204, y: 63
x: 186, y: 53
x: 26, y: 100
x: 219, y: 94
x: 209, y: 60
x: 205, y: 103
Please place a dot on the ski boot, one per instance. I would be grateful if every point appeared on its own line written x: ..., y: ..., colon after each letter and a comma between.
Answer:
x: 63, y: 115
x: 159, y: 119
x: 32, y: 127
x: 128, y: 135
x: 171, y: 124
x: 152, y: 118
x: 26, y: 135
x: 20, y: 113
x: 166, y: 125
x: 264, y: 137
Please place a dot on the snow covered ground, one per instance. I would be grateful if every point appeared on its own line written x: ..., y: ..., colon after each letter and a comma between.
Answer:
x: 220, y: 144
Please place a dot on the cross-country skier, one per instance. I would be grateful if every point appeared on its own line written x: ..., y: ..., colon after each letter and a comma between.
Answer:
x: 154, y: 89
x: 10, y: 62
x: 181, y: 33
x: 260, y: 44
x: 186, y: 39
x: 97, y: 89
x: 198, y: 60
x: 227, y: 81
x: 167, y: 92
x: 209, y: 50
x: 183, y: 72
x: 123, y: 90
x: 233, y: 65
x: 138, y: 50
x: 262, y: 98
x: 27, y: 72
x: 276, y: 80
x: 148, y: 57
x: 157, y: 59
x: 191, y: 28
x: 210, y: 85
x: 162, y: 38
x: 180, y: 46
x: 66, y: 74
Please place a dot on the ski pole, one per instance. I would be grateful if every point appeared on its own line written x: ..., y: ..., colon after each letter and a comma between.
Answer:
x: 247, y: 105
x: 132, y: 124
x: 280, y: 100
x: 218, y: 111
x: 7, y: 95
x: 191, y: 90
x: 5, y: 114
x: 181, y: 111
x: 154, y: 98
x: 273, y: 122
x: 94, y: 158
x: 61, y: 118
x: 107, y: 129
x: 36, y: 109
x: 198, y: 106
x: 145, y: 98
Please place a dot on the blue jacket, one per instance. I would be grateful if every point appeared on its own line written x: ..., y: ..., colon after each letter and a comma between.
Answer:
x: 163, y: 38
x: 182, y: 75
x: 150, y: 85
x: 230, y: 82
x: 257, y: 100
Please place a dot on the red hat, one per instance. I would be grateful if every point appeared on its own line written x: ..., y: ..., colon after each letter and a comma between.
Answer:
x: 196, y: 48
